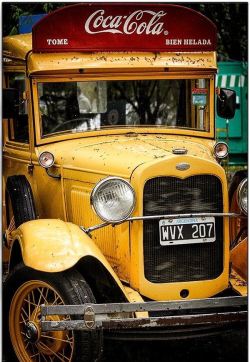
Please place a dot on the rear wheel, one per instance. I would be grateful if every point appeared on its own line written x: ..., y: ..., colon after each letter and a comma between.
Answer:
x: 238, y: 226
x: 26, y: 290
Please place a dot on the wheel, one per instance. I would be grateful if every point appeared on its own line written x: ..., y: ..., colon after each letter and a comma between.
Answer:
x: 236, y: 224
x: 26, y: 289
x: 19, y: 200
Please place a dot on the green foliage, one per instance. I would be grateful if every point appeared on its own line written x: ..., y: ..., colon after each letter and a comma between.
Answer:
x: 231, y: 20
x: 48, y: 7
x: 12, y: 11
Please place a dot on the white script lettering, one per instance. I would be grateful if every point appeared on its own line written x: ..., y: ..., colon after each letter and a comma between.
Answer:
x: 98, y: 22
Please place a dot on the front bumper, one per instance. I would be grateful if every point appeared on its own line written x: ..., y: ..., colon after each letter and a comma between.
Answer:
x: 181, y: 318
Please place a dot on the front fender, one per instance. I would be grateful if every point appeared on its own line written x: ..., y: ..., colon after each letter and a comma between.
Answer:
x: 238, y: 258
x: 52, y: 245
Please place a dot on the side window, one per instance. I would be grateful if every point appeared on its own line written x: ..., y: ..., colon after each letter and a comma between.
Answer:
x: 18, y: 127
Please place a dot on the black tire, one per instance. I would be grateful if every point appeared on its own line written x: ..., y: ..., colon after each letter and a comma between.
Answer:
x: 71, y: 287
x: 238, y: 226
x: 21, y: 197
x: 238, y: 177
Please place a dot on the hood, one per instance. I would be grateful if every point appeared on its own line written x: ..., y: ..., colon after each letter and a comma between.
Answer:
x: 119, y: 155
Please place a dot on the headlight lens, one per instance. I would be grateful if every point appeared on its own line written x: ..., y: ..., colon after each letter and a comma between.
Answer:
x: 113, y: 199
x: 242, y: 196
x: 46, y: 159
x: 221, y: 150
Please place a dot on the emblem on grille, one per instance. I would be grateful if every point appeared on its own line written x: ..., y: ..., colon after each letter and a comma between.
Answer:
x: 182, y: 166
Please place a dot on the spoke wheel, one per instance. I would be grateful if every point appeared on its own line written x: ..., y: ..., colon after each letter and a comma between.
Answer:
x: 29, y: 342
x: 25, y: 290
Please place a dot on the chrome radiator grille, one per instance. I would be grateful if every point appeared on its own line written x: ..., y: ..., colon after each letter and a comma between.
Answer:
x: 180, y: 263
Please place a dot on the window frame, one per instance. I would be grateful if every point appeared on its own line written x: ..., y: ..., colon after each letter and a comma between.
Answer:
x: 10, y: 122
x: 140, y: 76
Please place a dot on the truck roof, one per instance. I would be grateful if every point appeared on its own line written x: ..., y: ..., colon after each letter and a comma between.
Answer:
x: 87, y: 37
x: 17, y: 46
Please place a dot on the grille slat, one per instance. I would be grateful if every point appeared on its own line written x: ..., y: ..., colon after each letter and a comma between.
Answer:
x: 180, y: 263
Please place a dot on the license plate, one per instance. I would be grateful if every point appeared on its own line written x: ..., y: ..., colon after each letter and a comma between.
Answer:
x: 187, y: 231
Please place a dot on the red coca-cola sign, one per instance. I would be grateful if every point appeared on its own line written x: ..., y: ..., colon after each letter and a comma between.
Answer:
x: 124, y: 27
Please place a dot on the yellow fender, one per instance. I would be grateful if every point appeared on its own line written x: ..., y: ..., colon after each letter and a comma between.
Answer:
x: 52, y: 245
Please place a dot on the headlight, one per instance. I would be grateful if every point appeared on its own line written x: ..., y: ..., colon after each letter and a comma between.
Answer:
x: 221, y: 150
x: 113, y: 199
x: 46, y: 159
x: 242, y: 196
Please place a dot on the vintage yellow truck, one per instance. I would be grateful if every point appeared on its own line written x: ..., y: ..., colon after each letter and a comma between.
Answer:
x: 116, y: 210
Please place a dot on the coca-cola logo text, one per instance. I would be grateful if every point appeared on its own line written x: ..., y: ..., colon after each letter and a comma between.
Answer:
x: 99, y: 22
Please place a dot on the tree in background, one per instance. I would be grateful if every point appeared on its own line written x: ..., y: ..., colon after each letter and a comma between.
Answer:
x: 12, y: 11
x: 231, y: 20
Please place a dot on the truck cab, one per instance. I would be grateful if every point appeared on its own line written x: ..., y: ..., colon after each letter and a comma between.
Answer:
x: 114, y: 196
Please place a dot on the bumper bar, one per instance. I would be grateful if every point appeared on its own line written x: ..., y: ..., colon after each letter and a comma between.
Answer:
x: 219, y: 312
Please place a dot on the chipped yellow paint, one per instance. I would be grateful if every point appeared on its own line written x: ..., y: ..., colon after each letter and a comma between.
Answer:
x: 52, y: 245
x: 86, y: 161
x: 238, y: 283
x: 171, y: 291
x: 135, y: 297
x: 39, y: 63
x: 82, y: 159
x: 19, y: 45
x: 119, y: 154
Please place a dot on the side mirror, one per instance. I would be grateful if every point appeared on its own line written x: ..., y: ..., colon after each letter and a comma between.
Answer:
x: 10, y: 102
x: 226, y: 103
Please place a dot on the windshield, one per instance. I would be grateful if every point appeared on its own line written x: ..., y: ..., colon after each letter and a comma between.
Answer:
x: 94, y: 105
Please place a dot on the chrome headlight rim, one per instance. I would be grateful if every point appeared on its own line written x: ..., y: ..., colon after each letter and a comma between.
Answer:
x: 215, y: 150
x: 240, y: 190
x: 95, y: 190
x: 42, y: 161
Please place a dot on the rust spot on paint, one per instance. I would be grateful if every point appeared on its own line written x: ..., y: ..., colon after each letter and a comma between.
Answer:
x: 238, y: 281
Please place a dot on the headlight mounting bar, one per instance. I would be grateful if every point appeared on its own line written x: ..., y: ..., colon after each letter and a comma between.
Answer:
x: 160, y: 217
